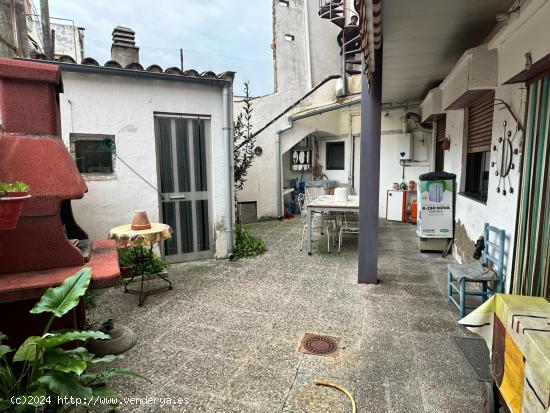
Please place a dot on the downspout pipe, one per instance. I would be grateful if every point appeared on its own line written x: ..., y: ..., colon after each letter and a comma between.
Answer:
x: 227, y: 119
x: 279, y: 167
x: 308, y: 46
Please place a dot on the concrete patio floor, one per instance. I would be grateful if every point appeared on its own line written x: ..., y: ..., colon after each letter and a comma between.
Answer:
x: 226, y: 337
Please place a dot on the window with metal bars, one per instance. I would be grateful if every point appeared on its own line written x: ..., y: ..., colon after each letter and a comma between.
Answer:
x: 480, y: 132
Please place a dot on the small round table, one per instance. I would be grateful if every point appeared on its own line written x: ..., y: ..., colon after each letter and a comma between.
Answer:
x: 142, y: 242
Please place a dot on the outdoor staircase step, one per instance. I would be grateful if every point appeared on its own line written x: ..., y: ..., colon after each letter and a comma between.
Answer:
x: 338, y: 21
x: 327, y: 14
x: 353, y: 72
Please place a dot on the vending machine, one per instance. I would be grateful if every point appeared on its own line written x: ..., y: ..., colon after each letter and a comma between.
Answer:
x: 435, y: 218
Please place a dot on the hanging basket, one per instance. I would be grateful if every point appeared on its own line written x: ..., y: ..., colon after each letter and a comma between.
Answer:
x: 10, y: 210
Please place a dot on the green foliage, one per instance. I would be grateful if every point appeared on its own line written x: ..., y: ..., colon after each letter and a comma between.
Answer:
x: 127, y: 258
x: 247, y: 244
x: 14, y: 187
x: 62, y: 299
x: 42, y: 367
x: 243, y: 141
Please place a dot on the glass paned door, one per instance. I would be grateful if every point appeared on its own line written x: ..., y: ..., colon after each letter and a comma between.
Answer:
x: 183, y: 158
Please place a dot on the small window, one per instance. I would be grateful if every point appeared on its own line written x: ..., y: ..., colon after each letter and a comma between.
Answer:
x: 477, y: 175
x: 335, y: 155
x: 284, y: 2
x: 478, y: 145
x: 289, y: 37
x: 93, y: 154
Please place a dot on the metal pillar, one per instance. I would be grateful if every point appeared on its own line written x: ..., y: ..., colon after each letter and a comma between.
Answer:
x: 371, y: 112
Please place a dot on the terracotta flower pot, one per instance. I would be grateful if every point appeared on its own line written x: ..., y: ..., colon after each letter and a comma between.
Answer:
x: 126, y: 272
x: 16, y: 193
x: 10, y: 210
x: 140, y: 221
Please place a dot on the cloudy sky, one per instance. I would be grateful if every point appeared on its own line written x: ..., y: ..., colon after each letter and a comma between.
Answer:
x: 215, y: 35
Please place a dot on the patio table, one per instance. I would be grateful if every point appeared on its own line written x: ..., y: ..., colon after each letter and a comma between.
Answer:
x: 326, y: 203
x: 517, y: 331
x: 142, y: 242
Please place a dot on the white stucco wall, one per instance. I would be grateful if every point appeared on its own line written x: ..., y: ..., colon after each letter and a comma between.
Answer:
x: 527, y: 32
x: 499, y: 210
x: 291, y: 80
x: 390, y: 169
x: 125, y: 107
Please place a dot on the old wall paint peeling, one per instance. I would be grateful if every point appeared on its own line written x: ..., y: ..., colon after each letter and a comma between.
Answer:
x: 463, y: 244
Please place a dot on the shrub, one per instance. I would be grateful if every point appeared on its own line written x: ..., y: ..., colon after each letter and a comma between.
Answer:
x: 247, y: 244
x: 127, y: 258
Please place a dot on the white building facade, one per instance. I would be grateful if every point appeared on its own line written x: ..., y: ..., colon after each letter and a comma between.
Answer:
x: 499, y: 73
x: 152, y: 140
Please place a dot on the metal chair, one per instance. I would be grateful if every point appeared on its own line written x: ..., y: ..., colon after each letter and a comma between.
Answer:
x: 489, y: 270
x: 317, y: 223
x: 349, y: 225
x: 313, y: 192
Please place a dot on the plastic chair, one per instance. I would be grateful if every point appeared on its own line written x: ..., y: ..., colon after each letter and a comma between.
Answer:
x: 458, y: 275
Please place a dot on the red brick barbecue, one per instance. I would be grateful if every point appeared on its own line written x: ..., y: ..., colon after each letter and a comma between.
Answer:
x: 47, y: 245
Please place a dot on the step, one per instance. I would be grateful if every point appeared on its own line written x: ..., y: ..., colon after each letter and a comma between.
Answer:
x: 338, y: 21
x: 325, y: 14
x: 353, y: 52
x: 352, y: 30
x: 353, y: 72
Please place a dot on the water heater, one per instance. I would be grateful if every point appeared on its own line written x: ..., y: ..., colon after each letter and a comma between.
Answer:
x: 404, y: 146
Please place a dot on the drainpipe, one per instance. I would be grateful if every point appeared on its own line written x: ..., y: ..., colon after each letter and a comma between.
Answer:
x: 228, y: 150
x: 279, y: 168
x: 308, y: 46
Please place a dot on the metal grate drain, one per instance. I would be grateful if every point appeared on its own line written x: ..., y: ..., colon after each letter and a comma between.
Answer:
x: 476, y: 353
x: 319, y: 345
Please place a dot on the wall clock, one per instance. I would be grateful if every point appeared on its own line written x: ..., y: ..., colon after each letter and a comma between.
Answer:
x: 505, y: 153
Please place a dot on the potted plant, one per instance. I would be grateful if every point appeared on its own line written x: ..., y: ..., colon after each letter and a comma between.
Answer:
x: 16, y: 189
x: 127, y: 259
x: 12, y: 198
x: 48, y: 372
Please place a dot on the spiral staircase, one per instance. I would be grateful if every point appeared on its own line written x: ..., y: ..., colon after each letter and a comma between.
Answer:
x: 349, y: 38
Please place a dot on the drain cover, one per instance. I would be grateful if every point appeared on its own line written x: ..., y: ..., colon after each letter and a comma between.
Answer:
x: 476, y: 353
x: 319, y: 345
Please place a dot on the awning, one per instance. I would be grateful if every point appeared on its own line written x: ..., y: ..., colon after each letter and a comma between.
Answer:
x: 474, y: 75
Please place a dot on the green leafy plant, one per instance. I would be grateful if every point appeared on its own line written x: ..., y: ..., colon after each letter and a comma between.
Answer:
x: 127, y: 258
x: 247, y: 244
x: 244, y: 142
x: 14, y: 186
x: 43, y: 368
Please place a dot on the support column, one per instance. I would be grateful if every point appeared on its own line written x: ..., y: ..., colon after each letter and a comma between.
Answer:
x: 371, y: 112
